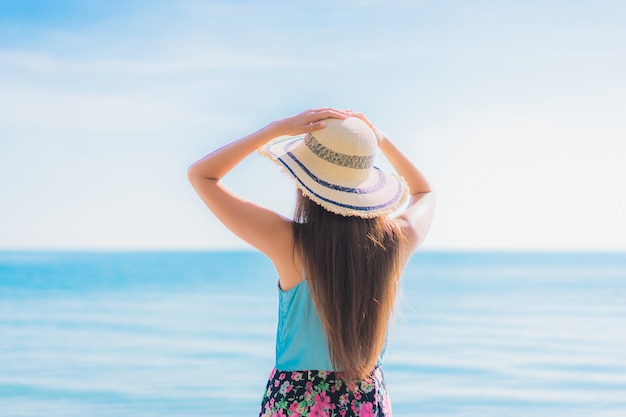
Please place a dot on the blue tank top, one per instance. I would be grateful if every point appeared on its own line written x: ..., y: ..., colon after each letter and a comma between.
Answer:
x: 301, y: 342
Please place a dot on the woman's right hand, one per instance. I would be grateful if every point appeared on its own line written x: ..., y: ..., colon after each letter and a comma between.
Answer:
x: 379, y: 135
x: 308, y: 121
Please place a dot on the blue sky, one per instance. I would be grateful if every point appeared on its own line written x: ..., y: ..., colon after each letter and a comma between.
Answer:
x: 513, y: 109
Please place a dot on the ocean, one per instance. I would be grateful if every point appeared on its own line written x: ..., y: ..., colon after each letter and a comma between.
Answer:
x: 192, y: 334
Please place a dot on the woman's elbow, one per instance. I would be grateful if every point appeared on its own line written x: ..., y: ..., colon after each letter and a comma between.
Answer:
x: 192, y: 174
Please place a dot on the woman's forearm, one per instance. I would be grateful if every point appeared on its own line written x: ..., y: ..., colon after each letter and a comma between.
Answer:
x: 218, y: 163
x: 403, y: 165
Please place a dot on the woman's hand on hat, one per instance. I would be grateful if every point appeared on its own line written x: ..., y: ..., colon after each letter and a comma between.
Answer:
x: 307, y: 121
x: 379, y: 135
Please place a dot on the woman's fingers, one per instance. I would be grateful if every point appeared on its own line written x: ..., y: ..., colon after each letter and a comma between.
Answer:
x: 310, y: 120
x: 326, y: 109
x: 325, y: 113
x: 362, y: 117
x: 313, y: 126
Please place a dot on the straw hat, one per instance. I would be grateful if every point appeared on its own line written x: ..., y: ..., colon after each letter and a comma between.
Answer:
x: 334, y: 167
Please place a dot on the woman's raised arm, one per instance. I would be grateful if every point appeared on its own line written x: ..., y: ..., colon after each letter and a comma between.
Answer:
x: 254, y: 224
x: 415, y: 220
x: 417, y: 217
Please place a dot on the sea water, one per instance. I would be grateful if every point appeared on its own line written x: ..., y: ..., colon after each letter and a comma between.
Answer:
x: 192, y: 334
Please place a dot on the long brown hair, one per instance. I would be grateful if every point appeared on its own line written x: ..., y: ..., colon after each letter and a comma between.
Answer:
x: 352, y: 265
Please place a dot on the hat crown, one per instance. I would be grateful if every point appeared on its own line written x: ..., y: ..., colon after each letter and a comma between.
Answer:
x: 351, y: 136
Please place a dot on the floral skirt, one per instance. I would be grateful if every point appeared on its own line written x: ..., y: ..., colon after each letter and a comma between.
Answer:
x: 323, y: 394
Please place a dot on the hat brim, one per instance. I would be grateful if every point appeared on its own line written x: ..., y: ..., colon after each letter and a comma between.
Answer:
x: 379, y: 194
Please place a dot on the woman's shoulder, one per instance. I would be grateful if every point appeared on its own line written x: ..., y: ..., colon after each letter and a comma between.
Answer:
x: 286, y: 258
x: 415, y: 221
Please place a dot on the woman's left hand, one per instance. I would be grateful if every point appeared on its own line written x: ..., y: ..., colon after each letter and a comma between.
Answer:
x: 307, y: 121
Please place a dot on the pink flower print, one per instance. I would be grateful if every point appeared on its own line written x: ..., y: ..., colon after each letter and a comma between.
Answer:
x: 317, y: 411
x: 285, y: 388
x: 296, y: 409
x: 308, y: 386
x: 355, y: 407
x: 267, y: 412
x: 357, y: 395
x: 281, y: 376
x: 322, y: 374
x: 366, y: 410
x: 296, y: 376
x: 343, y: 400
x: 308, y: 396
x: 324, y: 400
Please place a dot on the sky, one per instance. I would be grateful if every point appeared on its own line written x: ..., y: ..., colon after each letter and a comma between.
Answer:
x: 513, y: 110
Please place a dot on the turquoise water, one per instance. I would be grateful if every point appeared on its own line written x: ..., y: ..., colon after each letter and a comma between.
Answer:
x: 169, y: 334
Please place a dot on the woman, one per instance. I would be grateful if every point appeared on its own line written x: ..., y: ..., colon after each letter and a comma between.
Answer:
x: 338, y: 261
